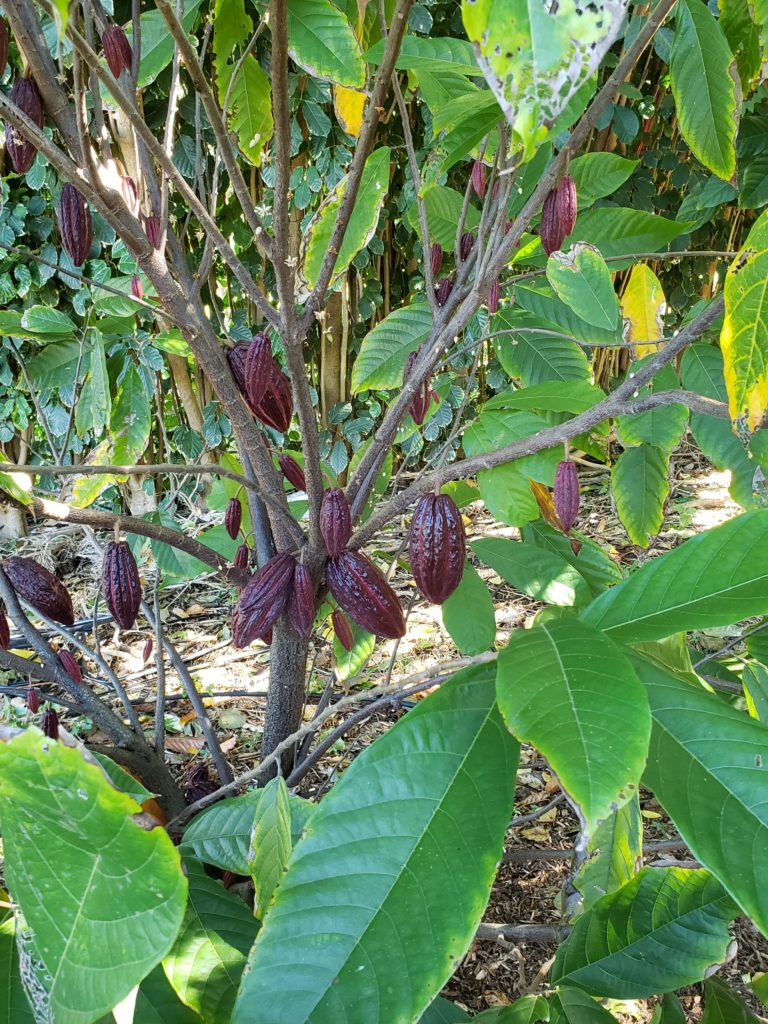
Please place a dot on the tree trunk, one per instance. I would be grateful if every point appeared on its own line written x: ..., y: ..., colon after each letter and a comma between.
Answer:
x: 285, y: 703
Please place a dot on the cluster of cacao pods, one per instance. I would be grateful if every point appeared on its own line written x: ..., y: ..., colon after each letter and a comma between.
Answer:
x: 262, y: 378
x: 558, y: 214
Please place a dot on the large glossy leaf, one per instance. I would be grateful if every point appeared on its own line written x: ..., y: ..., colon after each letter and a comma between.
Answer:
x: 582, y: 280
x: 533, y: 353
x: 723, y: 1006
x: 551, y: 396
x: 714, y: 579
x: 704, y: 81
x: 526, y: 1010
x: 232, y: 26
x: 599, y: 174
x: 662, y: 427
x: 131, y: 419
x: 707, y: 765
x: 443, y: 207
x: 102, y: 897
x: 270, y: 845
x: 614, y: 851
x: 664, y: 929
x: 623, y: 232
x: 594, y: 564
x: 640, y: 485
x: 542, y: 575
x: 157, y: 43
x: 321, y: 40
x: 157, y: 1003
x: 561, y: 307
x: 380, y: 363
x: 208, y: 956
x: 468, y: 614
x: 573, y: 694
x: 420, y: 53
x: 250, y: 109
x: 441, y: 1011
x: 94, y: 402
x: 743, y: 39
x: 363, y: 925
x: 572, y: 1006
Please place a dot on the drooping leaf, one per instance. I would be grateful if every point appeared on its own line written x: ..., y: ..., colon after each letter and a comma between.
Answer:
x: 321, y: 40
x: 157, y: 43
x: 468, y: 614
x: 221, y: 834
x: 583, y: 282
x: 743, y: 39
x: 157, y: 1003
x: 270, y: 845
x: 662, y: 427
x: 614, y: 851
x: 542, y: 575
x: 349, y: 105
x: 94, y: 403
x: 442, y: 1011
x: 525, y: 1010
x: 14, y: 1005
x: 640, y: 485
x: 572, y: 1006
x: 618, y: 231
x: 550, y: 396
x: 564, y: 317
x: 642, y: 306
x: 380, y: 363
x: 421, y: 53
x: 232, y: 26
x: 250, y: 108
x: 723, y: 1006
x: 46, y: 320
x: 130, y: 420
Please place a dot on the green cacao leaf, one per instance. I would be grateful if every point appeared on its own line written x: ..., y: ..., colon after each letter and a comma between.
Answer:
x: 723, y: 1006
x: 321, y: 40
x: 542, y: 575
x: 640, y: 485
x: 583, y: 282
x: 468, y: 614
x: 380, y: 363
x: 270, y: 845
x: 613, y: 852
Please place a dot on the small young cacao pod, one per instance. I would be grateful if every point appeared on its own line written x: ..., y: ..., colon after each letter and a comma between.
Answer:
x: 146, y: 653
x: 292, y: 471
x: 436, y: 258
x: 243, y: 557
x: 40, y: 588
x: 437, y: 547
x: 233, y: 517
x: 263, y: 600
x: 494, y: 293
x: 495, y: 189
x: 27, y: 98
x: 5, y: 629
x: 549, y: 230
x: 50, y: 724
x: 258, y: 368
x: 130, y: 194
x: 33, y: 700
x: 478, y: 178
x: 566, y: 204
x: 3, y: 45
x: 151, y: 227
x: 342, y: 629
x: 335, y: 521
x: 301, y: 603
x: 363, y: 592
x: 70, y: 665
x: 443, y: 290
x: 75, y: 224
x: 276, y: 407
x: 120, y: 583
x: 567, y: 497
x: 136, y: 289
x: 421, y: 400
x: 117, y: 49
x: 466, y: 244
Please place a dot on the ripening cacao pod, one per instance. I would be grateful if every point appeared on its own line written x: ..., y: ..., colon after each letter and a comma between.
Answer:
x: 27, y: 98
x: 3, y: 45
x: 420, y: 401
x: 5, y: 629
x: 40, y: 588
x: 243, y: 557
x: 466, y: 244
x: 233, y: 517
x: 549, y: 231
x: 436, y: 258
x: 478, y: 178
x: 335, y: 521
x: 70, y: 665
x: 443, y: 290
x: 236, y: 357
x: 437, y: 547
x: 363, y: 592
x: 566, y: 204
x: 136, y: 289
x: 151, y: 227
x: 117, y: 49
x: 301, y: 603
x: 495, y: 189
x: 75, y: 224
x: 146, y: 652
x: 276, y: 407
x: 33, y: 699
x: 258, y: 368
x: 494, y: 293
x: 120, y: 583
x: 292, y: 471
x: 342, y: 629
x: 50, y: 724
x: 567, y: 497
x: 263, y: 600
x: 130, y: 194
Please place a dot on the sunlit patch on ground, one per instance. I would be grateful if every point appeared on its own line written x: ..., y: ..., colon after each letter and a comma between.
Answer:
x: 713, y: 505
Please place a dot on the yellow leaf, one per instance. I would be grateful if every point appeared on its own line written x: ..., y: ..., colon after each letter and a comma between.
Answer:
x: 642, y: 306
x: 349, y: 105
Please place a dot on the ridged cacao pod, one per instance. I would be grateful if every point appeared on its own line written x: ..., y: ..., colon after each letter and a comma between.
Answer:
x: 120, y: 583
x: 335, y: 521
x: 363, y: 592
x: 567, y: 497
x: 437, y: 547
x: 436, y: 258
x: 466, y: 244
x: 301, y: 603
x: 550, y: 230
x: 263, y: 600
x: 75, y: 224
x: 5, y: 629
x: 130, y: 194
x: 236, y: 357
x: 33, y: 699
x: 27, y: 98
x: 443, y: 290
x: 494, y: 294
x: 243, y: 557
x: 3, y: 45
x: 567, y: 204
x: 478, y: 178
x: 420, y: 401
x: 70, y: 665
x: 258, y: 369
x: 276, y: 407
x: 117, y: 49
x: 136, y: 289
x: 146, y: 653
x: 342, y: 629
x: 151, y: 227
x: 40, y: 588
x: 50, y: 724
x: 233, y: 517
x: 292, y: 471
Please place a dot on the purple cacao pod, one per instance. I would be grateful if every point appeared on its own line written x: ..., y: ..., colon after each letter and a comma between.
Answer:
x: 70, y: 665
x: 151, y: 227
x: 508, y: 226
x: 550, y: 232
x: 243, y: 557
x: 117, y: 49
x: 567, y: 497
x: 27, y: 98
x: 567, y: 204
x: 478, y: 178
x: 342, y: 629
x: 292, y: 471
x: 301, y: 603
x: 466, y: 244
x: 335, y: 521
x: 130, y: 194
x: 120, y: 583
x: 33, y: 700
x: 258, y: 368
x: 3, y: 45
x: 494, y: 293
x: 40, y: 588
x: 236, y: 357
x: 5, y: 629
x: 437, y: 547
x: 75, y: 224
x: 276, y: 407
x: 443, y: 290
x: 263, y: 600
x: 363, y: 592
x: 421, y: 400
x: 136, y: 289
x: 495, y: 189
x: 233, y: 517
x: 436, y: 258
x: 146, y: 653
x: 50, y: 724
